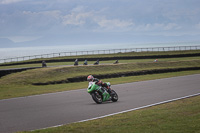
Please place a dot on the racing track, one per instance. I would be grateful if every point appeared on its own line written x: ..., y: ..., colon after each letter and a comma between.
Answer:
x: 47, y: 110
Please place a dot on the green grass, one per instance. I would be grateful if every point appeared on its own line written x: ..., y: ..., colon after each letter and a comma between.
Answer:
x: 102, y: 62
x: 182, y: 116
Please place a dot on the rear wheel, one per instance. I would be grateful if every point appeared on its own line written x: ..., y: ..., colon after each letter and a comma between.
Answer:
x: 97, y: 97
x: 114, y: 96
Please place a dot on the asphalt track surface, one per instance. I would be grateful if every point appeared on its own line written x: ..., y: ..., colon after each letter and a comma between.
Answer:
x: 47, y: 110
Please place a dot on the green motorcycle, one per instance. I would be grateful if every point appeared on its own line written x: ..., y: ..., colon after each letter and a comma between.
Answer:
x: 99, y: 94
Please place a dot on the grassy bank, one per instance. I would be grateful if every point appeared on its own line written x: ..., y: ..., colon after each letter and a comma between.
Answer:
x: 182, y: 116
x: 62, y: 73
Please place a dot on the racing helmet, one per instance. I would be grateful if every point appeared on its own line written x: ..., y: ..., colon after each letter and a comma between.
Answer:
x: 90, y: 78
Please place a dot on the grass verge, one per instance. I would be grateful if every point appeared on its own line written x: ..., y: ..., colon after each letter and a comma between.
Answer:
x: 182, y: 116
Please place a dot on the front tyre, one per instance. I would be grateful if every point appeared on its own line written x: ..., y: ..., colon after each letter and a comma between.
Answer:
x: 97, y: 97
x: 114, y: 96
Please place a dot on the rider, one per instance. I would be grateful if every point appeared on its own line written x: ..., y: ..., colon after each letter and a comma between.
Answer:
x: 90, y: 78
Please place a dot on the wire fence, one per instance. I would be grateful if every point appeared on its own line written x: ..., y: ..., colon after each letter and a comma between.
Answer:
x: 110, y: 51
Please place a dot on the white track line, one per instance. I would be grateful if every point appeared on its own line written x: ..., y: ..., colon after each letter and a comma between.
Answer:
x: 146, y: 106
x: 140, y: 107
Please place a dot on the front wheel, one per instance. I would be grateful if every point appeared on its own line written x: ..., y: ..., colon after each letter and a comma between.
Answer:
x: 97, y: 97
x: 114, y: 96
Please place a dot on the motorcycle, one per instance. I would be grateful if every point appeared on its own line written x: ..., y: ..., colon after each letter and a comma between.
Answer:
x: 100, y: 94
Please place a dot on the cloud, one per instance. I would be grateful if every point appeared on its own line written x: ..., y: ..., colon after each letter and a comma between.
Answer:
x: 84, y: 18
x: 79, y: 9
x: 113, y: 24
x: 32, y: 18
x: 80, y: 17
x: 52, y: 13
x: 158, y: 27
x: 23, y: 38
x: 76, y: 18
x: 172, y: 26
x: 198, y: 26
x: 9, y: 1
x: 41, y: 21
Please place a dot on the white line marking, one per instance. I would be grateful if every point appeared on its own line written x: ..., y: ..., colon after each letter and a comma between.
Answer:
x: 125, y: 111
x: 140, y: 107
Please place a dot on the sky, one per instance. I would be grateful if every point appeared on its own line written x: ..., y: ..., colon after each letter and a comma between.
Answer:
x: 65, y: 22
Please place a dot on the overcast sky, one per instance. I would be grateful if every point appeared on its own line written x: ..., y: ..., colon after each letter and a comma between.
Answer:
x: 99, y: 21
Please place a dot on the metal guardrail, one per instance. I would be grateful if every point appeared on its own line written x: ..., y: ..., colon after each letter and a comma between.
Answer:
x: 110, y: 51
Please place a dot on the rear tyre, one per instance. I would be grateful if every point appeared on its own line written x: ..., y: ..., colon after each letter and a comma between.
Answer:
x: 97, y: 97
x: 114, y: 96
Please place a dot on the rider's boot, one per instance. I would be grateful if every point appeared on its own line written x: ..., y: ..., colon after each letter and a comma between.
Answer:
x: 109, y: 90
